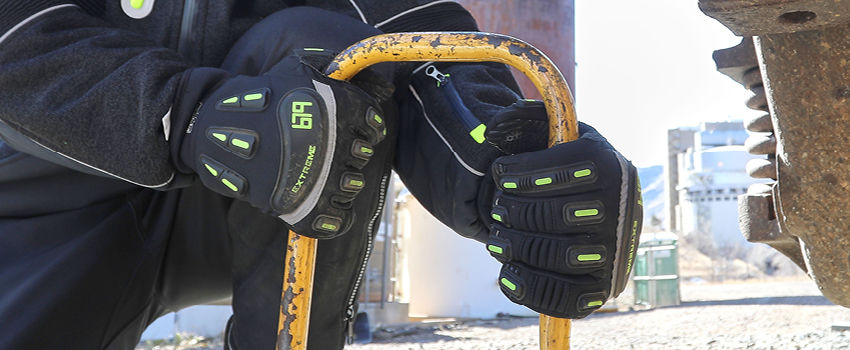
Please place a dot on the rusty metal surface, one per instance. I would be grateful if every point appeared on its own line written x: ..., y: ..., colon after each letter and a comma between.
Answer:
x: 803, y: 50
x: 752, y: 210
x: 738, y: 62
x: 296, y: 295
x: 469, y: 47
x: 554, y: 333
x: 761, y: 168
x: 759, y: 99
x: 758, y: 17
x: 758, y: 144
x: 756, y: 209
x: 807, y: 77
x: 760, y: 124
x: 758, y: 223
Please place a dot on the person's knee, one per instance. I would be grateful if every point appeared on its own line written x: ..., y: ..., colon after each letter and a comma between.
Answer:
x: 285, y: 31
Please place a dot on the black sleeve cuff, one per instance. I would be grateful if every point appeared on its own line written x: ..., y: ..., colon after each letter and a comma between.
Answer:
x: 13, y: 13
x: 448, y: 16
x: 195, y: 84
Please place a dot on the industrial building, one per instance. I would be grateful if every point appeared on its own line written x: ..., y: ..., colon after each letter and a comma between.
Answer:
x: 705, y: 173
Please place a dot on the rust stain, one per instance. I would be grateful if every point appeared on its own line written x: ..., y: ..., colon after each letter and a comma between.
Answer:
x: 468, y: 47
x: 294, y: 319
x: 478, y: 47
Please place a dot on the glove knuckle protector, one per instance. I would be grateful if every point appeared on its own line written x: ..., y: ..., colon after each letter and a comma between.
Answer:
x: 567, y: 233
x: 290, y: 143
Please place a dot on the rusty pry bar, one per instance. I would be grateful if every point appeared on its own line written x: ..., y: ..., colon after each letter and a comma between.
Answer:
x: 442, y: 47
x: 469, y: 47
x: 294, y: 321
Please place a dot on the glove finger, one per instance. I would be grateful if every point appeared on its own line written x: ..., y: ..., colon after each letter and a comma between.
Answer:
x: 581, y: 212
x: 519, y: 128
x: 373, y: 126
x: 565, y: 169
x: 552, y: 294
x: 612, y: 211
x: 375, y: 84
x: 574, y: 254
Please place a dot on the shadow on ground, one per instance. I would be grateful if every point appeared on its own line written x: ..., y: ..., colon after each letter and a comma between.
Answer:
x: 794, y: 300
x: 423, y: 333
x: 799, y: 300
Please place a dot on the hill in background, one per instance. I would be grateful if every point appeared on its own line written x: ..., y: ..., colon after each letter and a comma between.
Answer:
x: 652, y: 186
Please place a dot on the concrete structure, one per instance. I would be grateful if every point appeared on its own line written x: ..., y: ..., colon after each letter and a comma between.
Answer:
x: 382, y: 293
x: 449, y: 276
x: 705, y: 179
x: 203, y: 320
x: 678, y: 141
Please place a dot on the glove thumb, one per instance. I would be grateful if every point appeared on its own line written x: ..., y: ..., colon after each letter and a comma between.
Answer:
x: 519, y: 128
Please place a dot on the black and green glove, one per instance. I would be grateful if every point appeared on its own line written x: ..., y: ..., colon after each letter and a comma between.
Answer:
x: 291, y: 142
x: 567, y: 219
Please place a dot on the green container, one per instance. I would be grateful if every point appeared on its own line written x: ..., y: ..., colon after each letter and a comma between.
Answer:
x: 656, y: 276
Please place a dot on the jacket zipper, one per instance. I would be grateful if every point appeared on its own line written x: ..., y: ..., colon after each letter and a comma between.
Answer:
x: 187, y: 25
x: 472, y: 125
x: 349, y: 313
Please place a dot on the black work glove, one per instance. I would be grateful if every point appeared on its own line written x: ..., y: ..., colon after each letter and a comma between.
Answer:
x: 291, y: 142
x: 567, y: 219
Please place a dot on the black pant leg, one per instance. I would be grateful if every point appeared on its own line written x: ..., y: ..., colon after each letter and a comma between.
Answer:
x: 258, y: 269
x: 88, y: 262
x: 94, y: 270
x: 78, y: 264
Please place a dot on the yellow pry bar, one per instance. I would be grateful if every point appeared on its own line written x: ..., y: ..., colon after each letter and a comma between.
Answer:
x: 442, y: 47
x: 469, y: 47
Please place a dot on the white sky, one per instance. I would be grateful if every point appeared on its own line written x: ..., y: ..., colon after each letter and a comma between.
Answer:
x: 641, y: 71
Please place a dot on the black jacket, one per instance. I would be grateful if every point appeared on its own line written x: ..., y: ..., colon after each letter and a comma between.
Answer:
x: 86, y: 86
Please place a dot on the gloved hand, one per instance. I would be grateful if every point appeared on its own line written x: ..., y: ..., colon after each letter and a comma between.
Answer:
x: 567, y: 218
x: 291, y: 142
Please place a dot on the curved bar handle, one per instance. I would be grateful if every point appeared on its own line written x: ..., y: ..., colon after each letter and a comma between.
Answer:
x: 478, y: 47
x: 427, y: 47
x: 469, y: 47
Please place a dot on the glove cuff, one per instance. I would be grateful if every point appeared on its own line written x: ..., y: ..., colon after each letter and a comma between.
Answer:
x: 195, y: 84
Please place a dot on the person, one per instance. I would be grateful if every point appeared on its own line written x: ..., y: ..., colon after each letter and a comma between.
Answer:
x: 154, y: 155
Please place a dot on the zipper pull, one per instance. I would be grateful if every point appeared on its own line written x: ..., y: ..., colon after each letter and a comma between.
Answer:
x: 433, y: 72
x: 473, y: 126
x: 349, y: 325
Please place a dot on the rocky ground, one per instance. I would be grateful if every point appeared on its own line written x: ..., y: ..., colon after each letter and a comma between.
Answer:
x: 741, y: 315
x: 777, y: 315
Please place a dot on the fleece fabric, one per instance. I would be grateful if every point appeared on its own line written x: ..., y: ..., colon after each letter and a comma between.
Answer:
x: 86, y: 100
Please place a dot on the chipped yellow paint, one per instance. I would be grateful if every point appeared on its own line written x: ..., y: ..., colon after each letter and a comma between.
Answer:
x: 554, y: 333
x: 296, y: 295
x: 427, y: 47
x: 469, y: 47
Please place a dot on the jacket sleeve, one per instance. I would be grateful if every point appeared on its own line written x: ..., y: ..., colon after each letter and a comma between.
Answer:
x: 77, y: 92
x: 438, y: 159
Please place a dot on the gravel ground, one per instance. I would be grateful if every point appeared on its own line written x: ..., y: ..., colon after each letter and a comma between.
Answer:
x: 788, y: 315
x: 778, y: 316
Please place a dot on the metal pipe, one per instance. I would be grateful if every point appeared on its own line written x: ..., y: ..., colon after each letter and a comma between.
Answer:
x: 296, y: 296
x: 451, y: 47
